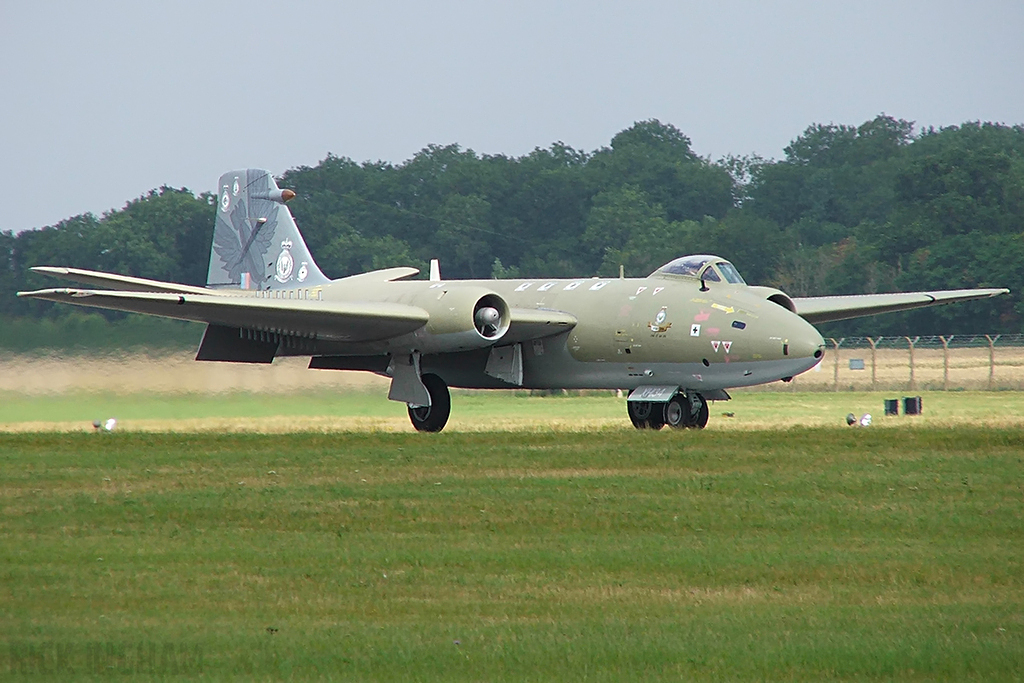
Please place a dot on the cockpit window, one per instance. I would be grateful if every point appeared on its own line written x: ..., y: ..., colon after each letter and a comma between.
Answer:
x: 710, y: 275
x: 730, y: 273
x: 687, y: 265
x: 713, y: 267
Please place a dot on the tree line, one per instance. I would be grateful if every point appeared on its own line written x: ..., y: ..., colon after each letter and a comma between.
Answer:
x: 849, y: 209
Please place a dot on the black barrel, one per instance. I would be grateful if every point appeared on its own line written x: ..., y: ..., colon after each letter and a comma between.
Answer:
x: 911, y: 405
x: 892, y: 406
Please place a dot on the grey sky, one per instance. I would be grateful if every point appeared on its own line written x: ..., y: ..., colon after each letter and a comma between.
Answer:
x: 102, y: 101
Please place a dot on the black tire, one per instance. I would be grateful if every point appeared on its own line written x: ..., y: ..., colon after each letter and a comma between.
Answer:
x: 677, y: 413
x: 701, y: 420
x: 638, y: 413
x: 434, y: 417
x: 646, y: 415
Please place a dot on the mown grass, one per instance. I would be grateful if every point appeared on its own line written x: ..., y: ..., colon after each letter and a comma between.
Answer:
x: 475, y: 410
x: 800, y: 554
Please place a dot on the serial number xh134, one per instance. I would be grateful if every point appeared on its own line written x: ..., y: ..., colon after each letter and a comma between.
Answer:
x: 675, y: 340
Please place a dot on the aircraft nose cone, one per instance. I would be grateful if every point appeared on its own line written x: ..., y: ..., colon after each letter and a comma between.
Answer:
x: 806, y: 342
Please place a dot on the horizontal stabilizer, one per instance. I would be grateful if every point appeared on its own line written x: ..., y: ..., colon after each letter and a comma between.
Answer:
x: 334, y: 320
x: 383, y: 275
x: 121, y: 283
x: 824, y: 309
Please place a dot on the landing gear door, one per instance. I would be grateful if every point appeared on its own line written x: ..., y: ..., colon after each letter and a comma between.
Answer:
x: 506, y: 363
x: 406, y: 385
x: 653, y: 394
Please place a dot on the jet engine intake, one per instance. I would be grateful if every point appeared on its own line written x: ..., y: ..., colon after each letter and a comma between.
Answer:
x: 465, y: 317
x: 490, y: 323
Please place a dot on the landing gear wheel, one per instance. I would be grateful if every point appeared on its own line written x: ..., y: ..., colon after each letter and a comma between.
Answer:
x: 677, y: 413
x: 700, y: 420
x: 432, y: 418
x: 646, y: 415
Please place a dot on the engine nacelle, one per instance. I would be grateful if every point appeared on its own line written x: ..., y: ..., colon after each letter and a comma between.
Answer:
x: 462, y: 318
x: 776, y: 296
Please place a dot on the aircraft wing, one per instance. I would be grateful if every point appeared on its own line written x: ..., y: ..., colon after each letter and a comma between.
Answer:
x: 125, y: 283
x: 350, y: 321
x: 334, y: 320
x: 824, y: 309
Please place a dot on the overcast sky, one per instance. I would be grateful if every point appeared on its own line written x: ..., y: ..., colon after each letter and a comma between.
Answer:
x: 102, y: 101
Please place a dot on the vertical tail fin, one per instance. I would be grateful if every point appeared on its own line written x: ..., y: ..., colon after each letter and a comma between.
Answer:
x: 256, y: 244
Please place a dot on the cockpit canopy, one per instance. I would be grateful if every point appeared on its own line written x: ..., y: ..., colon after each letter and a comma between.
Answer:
x: 703, y: 266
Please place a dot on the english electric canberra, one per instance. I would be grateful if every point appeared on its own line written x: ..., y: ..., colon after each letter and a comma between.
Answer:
x: 675, y: 340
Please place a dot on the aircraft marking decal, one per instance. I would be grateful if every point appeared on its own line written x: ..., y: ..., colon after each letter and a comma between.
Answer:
x: 695, y: 330
x: 523, y: 287
x: 285, y: 263
x: 715, y: 344
x: 659, y: 324
x: 724, y: 309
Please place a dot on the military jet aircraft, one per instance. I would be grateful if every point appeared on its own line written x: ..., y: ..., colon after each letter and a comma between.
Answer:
x: 675, y: 340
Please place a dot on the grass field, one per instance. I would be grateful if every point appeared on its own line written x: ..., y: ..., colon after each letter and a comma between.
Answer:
x: 274, y: 523
x: 795, y: 554
x: 473, y: 411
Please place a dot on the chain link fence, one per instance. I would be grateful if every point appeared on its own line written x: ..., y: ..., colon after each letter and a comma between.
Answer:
x: 985, y: 362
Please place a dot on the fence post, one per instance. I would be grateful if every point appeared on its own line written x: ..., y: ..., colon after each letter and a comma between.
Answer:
x: 835, y: 365
x: 910, y: 343
x: 874, y: 347
x: 945, y: 361
x: 992, y: 359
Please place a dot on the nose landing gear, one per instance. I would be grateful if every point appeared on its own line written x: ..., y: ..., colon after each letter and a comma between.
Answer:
x: 682, y: 411
x: 645, y: 414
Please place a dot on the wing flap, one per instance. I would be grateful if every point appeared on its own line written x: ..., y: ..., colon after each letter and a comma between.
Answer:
x: 333, y: 320
x: 121, y: 283
x: 824, y: 309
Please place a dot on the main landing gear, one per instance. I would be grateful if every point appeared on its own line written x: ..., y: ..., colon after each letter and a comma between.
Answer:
x: 432, y: 418
x: 683, y: 411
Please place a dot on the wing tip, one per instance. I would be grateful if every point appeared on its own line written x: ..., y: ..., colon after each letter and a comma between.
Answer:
x: 48, y: 270
x: 43, y: 293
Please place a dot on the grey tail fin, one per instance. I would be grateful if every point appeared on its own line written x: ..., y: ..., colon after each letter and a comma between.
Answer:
x: 256, y: 244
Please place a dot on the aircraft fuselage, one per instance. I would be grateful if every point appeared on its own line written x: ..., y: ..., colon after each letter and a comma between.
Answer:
x: 630, y: 332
